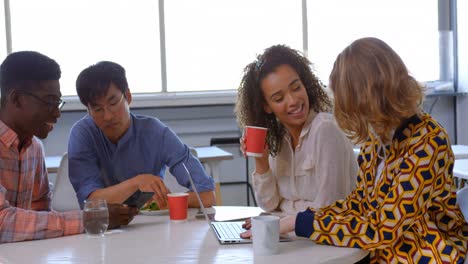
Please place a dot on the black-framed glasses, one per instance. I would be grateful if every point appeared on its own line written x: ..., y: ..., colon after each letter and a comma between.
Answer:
x: 112, y: 107
x: 52, y: 105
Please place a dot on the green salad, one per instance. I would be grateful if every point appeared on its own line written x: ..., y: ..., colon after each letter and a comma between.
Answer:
x: 151, y: 206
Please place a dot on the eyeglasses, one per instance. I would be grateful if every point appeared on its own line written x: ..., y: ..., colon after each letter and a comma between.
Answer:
x: 112, y: 107
x: 52, y: 105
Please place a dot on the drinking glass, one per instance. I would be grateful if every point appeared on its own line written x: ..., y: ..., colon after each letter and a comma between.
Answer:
x: 95, y: 217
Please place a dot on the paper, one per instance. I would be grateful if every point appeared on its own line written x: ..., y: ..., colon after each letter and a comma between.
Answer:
x: 235, y: 213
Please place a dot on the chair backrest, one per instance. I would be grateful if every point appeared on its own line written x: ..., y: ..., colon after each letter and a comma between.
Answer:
x: 462, y: 200
x: 63, y: 195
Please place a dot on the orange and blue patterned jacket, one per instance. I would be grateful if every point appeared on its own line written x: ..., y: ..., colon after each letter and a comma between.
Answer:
x: 409, y: 215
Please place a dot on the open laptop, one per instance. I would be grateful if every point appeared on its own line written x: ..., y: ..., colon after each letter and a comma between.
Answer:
x: 226, y: 232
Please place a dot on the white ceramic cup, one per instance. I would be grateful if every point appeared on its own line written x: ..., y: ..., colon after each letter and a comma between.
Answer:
x: 265, y: 235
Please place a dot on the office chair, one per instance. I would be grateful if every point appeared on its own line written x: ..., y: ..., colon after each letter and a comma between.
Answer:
x: 235, y: 141
x: 63, y: 194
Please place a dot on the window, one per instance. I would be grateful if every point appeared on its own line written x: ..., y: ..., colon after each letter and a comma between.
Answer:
x: 409, y: 27
x: 80, y: 33
x: 3, y: 45
x: 209, y: 42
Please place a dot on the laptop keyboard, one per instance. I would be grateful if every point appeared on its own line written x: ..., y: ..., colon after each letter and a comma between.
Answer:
x: 229, y: 230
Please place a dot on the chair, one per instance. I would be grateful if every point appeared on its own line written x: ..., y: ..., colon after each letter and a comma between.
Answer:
x: 460, y: 171
x: 63, y: 194
x: 230, y: 141
x: 460, y: 152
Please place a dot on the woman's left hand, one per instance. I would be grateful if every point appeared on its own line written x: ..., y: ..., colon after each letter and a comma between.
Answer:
x: 247, y: 234
x: 247, y: 224
x: 287, y: 224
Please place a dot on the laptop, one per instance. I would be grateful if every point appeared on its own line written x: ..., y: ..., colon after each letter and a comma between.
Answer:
x: 227, y: 232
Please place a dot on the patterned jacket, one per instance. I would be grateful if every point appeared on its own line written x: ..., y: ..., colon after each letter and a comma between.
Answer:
x: 409, y: 215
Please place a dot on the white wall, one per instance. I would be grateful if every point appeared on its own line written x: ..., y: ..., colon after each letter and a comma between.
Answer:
x: 194, y: 125
x: 197, y: 125
x: 462, y: 101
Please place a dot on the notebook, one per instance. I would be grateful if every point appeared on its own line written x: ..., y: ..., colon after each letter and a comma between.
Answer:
x: 226, y: 232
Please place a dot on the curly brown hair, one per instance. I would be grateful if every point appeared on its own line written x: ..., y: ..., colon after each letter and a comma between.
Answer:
x: 250, y: 99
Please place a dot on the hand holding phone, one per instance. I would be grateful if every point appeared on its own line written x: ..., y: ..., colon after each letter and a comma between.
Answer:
x: 142, y: 199
x: 153, y: 183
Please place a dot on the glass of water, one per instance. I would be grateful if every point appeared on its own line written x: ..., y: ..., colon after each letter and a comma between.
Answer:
x: 95, y: 217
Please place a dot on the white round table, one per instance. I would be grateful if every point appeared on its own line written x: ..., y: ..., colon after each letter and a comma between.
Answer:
x: 460, y: 151
x: 154, y: 239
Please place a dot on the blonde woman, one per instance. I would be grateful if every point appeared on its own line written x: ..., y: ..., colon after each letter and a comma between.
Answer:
x: 403, y: 209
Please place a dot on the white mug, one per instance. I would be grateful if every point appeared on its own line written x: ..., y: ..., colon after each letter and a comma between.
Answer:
x: 265, y: 234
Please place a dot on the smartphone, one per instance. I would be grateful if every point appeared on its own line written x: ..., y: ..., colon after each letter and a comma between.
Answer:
x: 142, y: 198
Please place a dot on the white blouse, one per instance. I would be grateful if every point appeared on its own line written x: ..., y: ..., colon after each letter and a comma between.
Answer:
x: 320, y: 171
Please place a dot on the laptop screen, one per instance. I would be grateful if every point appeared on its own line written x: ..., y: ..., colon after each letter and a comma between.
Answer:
x: 196, y: 192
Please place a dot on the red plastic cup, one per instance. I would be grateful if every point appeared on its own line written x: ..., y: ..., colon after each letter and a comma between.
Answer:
x: 255, y: 140
x: 178, y: 206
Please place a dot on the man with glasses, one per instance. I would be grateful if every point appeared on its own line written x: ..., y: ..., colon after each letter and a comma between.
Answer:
x: 115, y: 154
x: 29, y: 108
x: 51, y: 104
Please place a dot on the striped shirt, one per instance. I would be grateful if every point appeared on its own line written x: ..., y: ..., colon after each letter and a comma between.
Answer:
x: 25, y: 212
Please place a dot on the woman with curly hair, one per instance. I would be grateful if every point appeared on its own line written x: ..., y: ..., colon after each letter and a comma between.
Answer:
x: 403, y: 209
x: 310, y: 162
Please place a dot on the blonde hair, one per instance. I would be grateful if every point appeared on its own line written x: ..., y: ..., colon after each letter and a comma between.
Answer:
x: 372, y: 90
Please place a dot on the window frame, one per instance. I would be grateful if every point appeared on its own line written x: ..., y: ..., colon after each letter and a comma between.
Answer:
x: 220, y: 97
x: 167, y: 99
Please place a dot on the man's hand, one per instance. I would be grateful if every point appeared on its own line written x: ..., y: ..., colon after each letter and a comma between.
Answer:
x: 120, y: 215
x: 152, y: 183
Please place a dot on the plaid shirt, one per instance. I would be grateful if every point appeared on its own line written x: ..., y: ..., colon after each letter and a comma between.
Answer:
x: 25, y: 212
